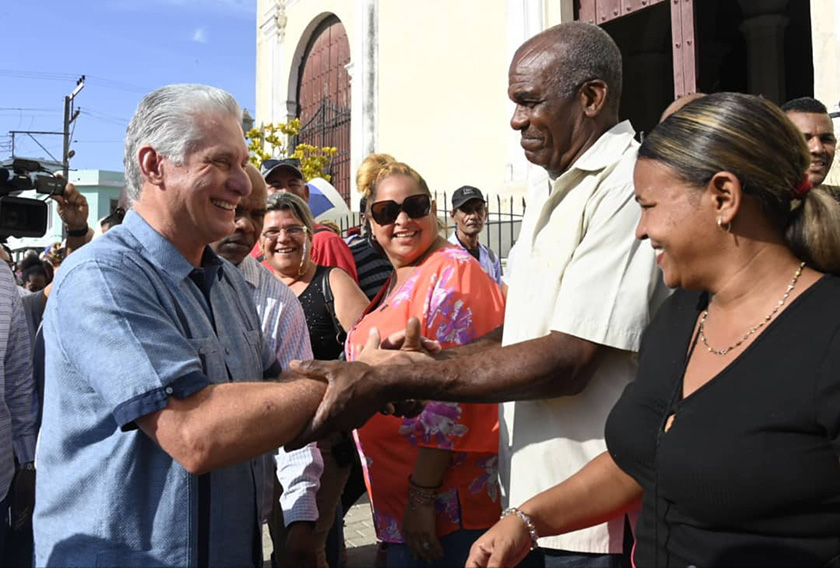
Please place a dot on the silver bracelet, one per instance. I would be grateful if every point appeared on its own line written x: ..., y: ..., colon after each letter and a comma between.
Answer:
x: 529, y: 524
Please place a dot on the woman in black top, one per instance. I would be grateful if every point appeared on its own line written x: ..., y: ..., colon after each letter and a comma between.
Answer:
x: 730, y: 435
x: 332, y: 302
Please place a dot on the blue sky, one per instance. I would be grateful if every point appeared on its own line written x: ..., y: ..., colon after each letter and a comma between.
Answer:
x: 126, y: 48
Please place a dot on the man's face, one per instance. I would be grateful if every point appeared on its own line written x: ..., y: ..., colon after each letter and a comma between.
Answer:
x: 249, y: 222
x: 286, y: 179
x: 819, y: 135
x: 470, y: 217
x: 200, y: 196
x: 547, y: 122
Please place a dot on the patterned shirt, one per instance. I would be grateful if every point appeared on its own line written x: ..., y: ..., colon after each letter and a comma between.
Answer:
x: 329, y: 249
x: 18, y: 406
x: 373, y: 268
x: 488, y: 259
x: 284, y: 328
x: 456, y: 303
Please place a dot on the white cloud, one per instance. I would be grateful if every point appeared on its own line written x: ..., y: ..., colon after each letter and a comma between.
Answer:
x: 199, y: 35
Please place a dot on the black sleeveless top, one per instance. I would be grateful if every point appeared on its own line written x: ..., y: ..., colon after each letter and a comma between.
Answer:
x: 748, y: 473
x: 322, y: 332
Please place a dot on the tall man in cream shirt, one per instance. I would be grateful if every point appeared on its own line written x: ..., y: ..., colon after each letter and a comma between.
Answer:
x: 582, y: 292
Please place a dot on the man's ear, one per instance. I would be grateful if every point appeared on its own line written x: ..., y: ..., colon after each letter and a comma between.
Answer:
x: 306, y: 191
x: 151, y: 165
x: 593, y: 97
x: 726, y: 194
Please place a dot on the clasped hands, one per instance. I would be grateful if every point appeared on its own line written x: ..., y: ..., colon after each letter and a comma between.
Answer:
x: 357, y: 390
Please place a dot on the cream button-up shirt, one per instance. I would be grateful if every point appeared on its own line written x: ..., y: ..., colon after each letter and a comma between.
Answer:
x: 579, y: 270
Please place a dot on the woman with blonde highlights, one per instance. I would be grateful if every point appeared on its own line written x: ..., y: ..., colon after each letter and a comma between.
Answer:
x: 372, y: 266
x: 730, y: 435
x: 331, y: 302
x: 432, y: 478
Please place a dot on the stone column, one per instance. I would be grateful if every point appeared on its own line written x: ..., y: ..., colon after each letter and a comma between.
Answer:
x: 271, y: 98
x: 364, y: 88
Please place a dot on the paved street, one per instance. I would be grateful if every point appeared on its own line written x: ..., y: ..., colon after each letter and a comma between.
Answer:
x: 359, y: 537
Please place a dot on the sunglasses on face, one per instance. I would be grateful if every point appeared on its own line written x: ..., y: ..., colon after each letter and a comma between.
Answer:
x: 415, y: 206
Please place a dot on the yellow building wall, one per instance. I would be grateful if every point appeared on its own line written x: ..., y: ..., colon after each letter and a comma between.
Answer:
x: 443, y: 90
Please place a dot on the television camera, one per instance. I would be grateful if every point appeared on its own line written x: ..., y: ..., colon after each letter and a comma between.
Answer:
x: 25, y: 217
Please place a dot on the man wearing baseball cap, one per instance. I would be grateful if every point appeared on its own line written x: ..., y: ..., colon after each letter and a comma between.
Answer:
x: 469, y: 213
x: 328, y: 248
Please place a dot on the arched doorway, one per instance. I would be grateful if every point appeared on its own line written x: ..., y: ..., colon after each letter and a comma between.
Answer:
x: 324, y: 98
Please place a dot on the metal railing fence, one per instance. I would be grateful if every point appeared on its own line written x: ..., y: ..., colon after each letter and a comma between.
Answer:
x: 504, y: 220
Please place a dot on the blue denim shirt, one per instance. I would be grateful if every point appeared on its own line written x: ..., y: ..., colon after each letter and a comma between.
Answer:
x: 126, y: 327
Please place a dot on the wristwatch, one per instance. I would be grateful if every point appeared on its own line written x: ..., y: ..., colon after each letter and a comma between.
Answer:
x: 77, y: 232
x: 27, y: 466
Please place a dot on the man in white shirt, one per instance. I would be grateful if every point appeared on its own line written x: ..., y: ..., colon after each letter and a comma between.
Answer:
x: 582, y: 292
x: 284, y: 328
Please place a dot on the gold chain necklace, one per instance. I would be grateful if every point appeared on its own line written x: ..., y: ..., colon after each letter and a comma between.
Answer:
x: 754, y: 328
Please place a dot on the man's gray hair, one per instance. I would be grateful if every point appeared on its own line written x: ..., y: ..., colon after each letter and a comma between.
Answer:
x: 167, y: 120
x: 583, y: 52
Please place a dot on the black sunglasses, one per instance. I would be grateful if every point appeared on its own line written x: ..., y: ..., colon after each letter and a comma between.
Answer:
x: 415, y: 206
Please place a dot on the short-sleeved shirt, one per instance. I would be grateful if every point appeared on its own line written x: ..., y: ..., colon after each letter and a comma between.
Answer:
x: 581, y: 271
x: 329, y: 249
x: 130, y: 322
x: 18, y: 400
x: 488, y: 259
x: 284, y: 328
x: 456, y: 303
x: 373, y: 268
x: 748, y: 473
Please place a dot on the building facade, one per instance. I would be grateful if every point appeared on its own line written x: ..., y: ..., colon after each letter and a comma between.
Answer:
x: 427, y: 81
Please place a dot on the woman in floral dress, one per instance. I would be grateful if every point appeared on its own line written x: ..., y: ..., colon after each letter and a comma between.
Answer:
x: 432, y: 478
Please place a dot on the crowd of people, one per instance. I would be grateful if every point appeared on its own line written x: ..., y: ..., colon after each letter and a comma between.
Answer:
x: 652, y: 383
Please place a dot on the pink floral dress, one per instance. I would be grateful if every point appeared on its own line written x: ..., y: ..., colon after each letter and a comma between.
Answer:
x: 456, y: 303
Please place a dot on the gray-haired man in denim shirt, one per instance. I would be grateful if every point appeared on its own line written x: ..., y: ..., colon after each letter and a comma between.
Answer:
x: 155, y: 406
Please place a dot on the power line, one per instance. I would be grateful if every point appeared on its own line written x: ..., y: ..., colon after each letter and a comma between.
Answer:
x: 22, y: 109
x: 92, y: 79
x: 42, y: 147
x: 113, y: 119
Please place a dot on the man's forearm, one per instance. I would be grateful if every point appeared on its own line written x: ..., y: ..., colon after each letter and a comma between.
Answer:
x: 229, y: 423
x: 489, y: 341
x: 549, y: 366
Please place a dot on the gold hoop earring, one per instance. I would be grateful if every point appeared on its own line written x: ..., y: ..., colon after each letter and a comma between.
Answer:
x: 728, y: 228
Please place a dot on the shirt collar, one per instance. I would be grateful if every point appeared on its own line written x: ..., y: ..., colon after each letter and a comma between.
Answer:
x: 606, y: 149
x: 164, y: 254
x: 456, y: 241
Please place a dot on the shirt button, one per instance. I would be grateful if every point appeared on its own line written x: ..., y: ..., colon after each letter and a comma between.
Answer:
x: 168, y: 390
x: 227, y: 351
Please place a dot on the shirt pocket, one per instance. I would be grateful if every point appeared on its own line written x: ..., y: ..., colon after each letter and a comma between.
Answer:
x: 212, y: 357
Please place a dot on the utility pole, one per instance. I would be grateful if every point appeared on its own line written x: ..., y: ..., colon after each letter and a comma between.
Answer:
x: 70, y: 115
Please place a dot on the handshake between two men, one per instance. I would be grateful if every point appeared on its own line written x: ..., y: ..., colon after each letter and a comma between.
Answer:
x: 379, y: 380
